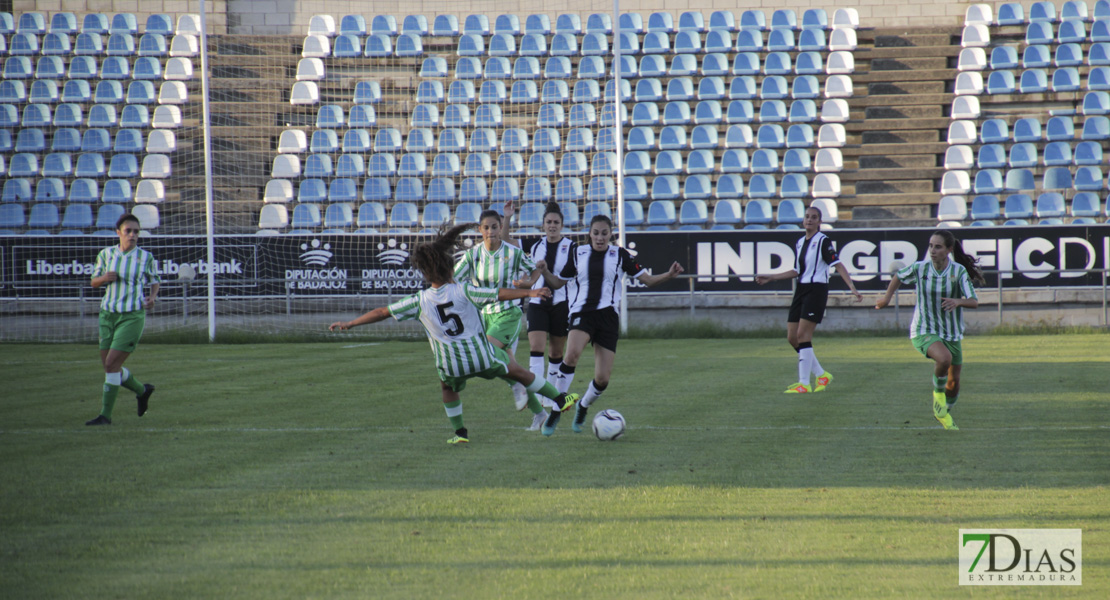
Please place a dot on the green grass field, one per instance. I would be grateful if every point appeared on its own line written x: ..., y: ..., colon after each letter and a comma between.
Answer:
x: 320, y: 471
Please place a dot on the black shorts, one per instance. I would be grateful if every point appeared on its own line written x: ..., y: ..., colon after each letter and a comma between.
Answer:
x: 551, y: 319
x: 603, y: 326
x: 809, y: 302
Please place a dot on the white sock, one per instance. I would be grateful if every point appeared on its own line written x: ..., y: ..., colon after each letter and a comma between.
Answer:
x: 113, y: 378
x: 592, y: 393
x: 553, y: 372
x: 803, y: 365
x: 814, y: 366
x: 535, y: 365
x: 565, y: 379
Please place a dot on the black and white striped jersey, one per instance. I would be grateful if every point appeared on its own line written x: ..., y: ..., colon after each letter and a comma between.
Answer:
x: 556, y: 256
x: 813, y: 258
x: 598, y: 277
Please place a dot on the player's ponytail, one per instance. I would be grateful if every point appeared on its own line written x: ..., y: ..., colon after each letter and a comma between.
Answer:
x: 969, y: 262
x: 436, y: 259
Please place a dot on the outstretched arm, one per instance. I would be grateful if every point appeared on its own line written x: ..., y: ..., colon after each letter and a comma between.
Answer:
x: 840, y: 268
x: 505, y: 294
x: 762, y: 279
x: 950, y: 304
x: 378, y: 314
x: 652, y: 280
x: 895, y: 283
x: 506, y: 223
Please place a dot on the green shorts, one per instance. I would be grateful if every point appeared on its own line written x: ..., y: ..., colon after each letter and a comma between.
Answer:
x: 922, y: 343
x: 501, y: 369
x: 121, y: 331
x: 504, y: 326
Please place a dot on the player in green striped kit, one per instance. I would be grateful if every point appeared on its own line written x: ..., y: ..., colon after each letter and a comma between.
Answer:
x: 123, y: 271
x: 496, y: 264
x: 944, y: 289
x: 449, y: 313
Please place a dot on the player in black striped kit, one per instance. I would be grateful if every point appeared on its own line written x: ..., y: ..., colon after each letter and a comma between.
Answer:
x: 814, y: 256
x: 595, y: 271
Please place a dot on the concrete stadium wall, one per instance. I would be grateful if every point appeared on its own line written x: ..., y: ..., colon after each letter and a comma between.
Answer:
x: 217, y: 10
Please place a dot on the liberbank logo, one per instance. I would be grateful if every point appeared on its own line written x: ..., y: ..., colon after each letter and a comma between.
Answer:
x: 1021, y: 557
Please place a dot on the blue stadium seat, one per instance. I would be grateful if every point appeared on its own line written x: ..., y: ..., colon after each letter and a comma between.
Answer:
x: 1037, y: 56
x: 568, y: 189
x: 1096, y: 128
x: 1060, y: 129
x: 107, y: 216
x: 602, y: 189
x: 1065, y: 79
x: 537, y: 189
x: 49, y: 189
x: 604, y: 163
x: 809, y: 63
x: 1071, y: 32
x: 312, y: 190
x: 1018, y: 179
x: 371, y: 214
x: 1089, y: 179
x: 781, y: 40
x: 84, y: 190
x: 42, y: 91
x: 1033, y: 81
x: 985, y: 207
x: 1057, y: 178
x: 988, y: 181
x: 30, y: 140
x: 409, y: 189
x: 377, y: 189
x: 1004, y: 57
x: 1050, y: 205
x: 1023, y: 155
x: 509, y: 164
x: 1086, y: 204
x: 1001, y: 82
x: 1018, y: 206
x: 661, y: 212
x: 1056, y: 154
x: 673, y: 138
x: 483, y: 140
x: 1088, y: 153
x: 1027, y: 130
x: 350, y: 165
x: 746, y: 63
x: 1068, y: 55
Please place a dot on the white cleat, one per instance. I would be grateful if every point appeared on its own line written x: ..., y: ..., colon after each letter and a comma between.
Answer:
x: 537, y: 421
x: 520, y: 396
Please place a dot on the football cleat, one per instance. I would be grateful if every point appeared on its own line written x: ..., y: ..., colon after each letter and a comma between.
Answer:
x: 537, y: 420
x: 823, y: 382
x: 144, y: 398
x: 579, y: 418
x: 99, y: 420
x: 458, y: 439
x: 798, y: 388
x: 940, y: 405
x: 568, y: 401
x: 947, y: 423
x: 520, y: 396
x: 551, y: 423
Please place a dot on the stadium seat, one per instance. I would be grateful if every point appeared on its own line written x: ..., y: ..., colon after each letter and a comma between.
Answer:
x: 1027, y: 130
x: 1023, y: 155
x: 952, y: 208
x: 1018, y: 206
x: 956, y: 183
x: 1016, y: 180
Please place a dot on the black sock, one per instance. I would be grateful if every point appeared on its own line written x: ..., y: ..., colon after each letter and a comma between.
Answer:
x: 461, y: 432
x: 565, y: 368
x: 536, y: 354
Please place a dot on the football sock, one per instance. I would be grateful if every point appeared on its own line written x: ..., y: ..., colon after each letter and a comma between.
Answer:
x: 939, y: 383
x: 535, y: 364
x: 805, y: 356
x: 592, y: 393
x: 553, y: 365
x: 543, y: 387
x: 111, y: 391
x: 952, y: 400
x: 566, y: 373
x: 454, y: 414
x: 130, y: 382
x: 814, y: 366
x: 534, y: 403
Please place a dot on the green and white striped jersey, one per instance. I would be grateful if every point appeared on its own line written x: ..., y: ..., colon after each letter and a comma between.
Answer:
x: 135, y: 268
x: 450, y: 316
x: 496, y: 269
x: 932, y: 287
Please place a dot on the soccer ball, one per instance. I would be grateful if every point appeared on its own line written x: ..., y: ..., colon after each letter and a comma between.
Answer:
x: 608, y: 425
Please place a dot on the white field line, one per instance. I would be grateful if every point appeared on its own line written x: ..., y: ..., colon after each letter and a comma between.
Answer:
x: 263, y: 430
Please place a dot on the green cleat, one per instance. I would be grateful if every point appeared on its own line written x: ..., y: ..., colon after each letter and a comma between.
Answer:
x: 798, y: 388
x: 940, y: 405
x: 458, y: 439
x: 947, y: 423
x: 579, y: 418
x: 823, y: 382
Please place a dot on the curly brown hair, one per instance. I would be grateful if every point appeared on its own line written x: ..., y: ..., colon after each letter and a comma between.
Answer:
x: 436, y: 259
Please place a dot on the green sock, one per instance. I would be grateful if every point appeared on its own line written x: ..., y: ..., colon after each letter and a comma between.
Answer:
x: 109, y: 399
x: 534, y: 404
x: 130, y: 382
x: 939, y: 383
x: 544, y: 388
x: 454, y: 413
